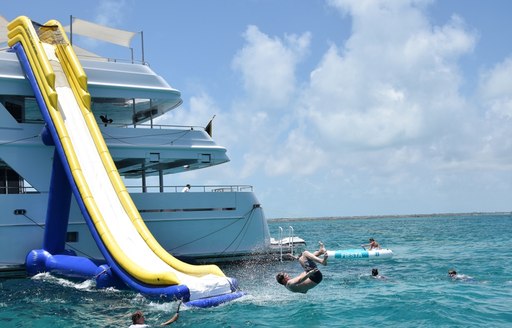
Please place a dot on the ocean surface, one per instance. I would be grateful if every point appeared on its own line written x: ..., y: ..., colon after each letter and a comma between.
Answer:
x: 416, y: 292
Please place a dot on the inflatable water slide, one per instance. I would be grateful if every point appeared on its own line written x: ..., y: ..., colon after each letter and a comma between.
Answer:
x: 84, y: 167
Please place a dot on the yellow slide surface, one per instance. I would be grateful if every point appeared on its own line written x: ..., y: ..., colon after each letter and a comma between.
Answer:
x: 63, y: 84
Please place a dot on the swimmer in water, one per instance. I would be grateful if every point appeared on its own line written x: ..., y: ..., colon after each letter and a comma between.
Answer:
x: 376, y: 275
x: 455, y: 276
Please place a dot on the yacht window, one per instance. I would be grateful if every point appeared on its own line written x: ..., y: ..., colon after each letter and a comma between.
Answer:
x: 206, y: 158
x: 154, y: 157
x: 11, y: 182
x: 127, y: 111
x: 15, y: 110
x: 32, y: 111
x: 71, y: 236
x: 23, y: 109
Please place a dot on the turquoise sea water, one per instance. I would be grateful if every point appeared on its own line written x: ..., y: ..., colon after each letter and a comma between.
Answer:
x: 416, y: 293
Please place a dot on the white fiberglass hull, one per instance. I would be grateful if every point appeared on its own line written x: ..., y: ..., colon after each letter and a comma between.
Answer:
x: 194, y: 225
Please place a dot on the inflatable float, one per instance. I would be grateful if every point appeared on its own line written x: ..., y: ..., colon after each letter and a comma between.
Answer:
x: 355, y: 253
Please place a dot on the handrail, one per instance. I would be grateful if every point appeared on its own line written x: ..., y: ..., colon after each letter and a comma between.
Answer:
x: 290, y: 238
x: 281, y: 243
x: 162, y: 126
x: 113, y: 60
x: 18, y: 190
x: 194, y: 188
x: 138, y: 125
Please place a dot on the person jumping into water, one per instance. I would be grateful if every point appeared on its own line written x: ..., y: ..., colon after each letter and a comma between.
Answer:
x: 311, y: 276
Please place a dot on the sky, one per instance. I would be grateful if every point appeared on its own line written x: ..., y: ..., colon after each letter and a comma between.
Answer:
x: 334, y: 107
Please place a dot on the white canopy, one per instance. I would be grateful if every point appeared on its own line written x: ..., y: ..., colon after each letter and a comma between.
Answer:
x: 100, y: 32
x: 82, y: 53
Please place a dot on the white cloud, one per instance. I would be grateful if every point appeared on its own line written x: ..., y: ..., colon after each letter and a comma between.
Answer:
x: 111, y: 12
x: 392, y: 89
x: 496, y: 89
x: 261, y: 116
x: 202, y: 109
x: 393, y: 83
x: 299, y: 156
x: 268, y: 65
x: 495, y: 99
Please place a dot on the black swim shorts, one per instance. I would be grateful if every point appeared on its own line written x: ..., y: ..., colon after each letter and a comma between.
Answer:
x: 316, y: 277
x: 310, y: 265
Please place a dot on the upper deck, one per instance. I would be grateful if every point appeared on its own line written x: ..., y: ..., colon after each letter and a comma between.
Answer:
x: 125, y: 99
x: 124, y: 93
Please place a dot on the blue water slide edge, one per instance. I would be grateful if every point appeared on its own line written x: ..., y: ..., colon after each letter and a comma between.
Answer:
x: 57, y: 212
x: 215, y: 300
x: 164, y: 292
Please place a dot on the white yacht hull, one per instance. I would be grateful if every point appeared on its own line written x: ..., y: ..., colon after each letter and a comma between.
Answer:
x: 198, y: 226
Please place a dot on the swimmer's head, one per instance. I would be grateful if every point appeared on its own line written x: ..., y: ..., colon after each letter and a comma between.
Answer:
x: 375, y: 272
x: 138, y: 317
x: 452, y: 273
x: 280, y: 277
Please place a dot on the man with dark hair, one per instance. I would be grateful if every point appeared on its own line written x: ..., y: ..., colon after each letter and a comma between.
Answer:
x: 376, y: 275
x: 311, y: 276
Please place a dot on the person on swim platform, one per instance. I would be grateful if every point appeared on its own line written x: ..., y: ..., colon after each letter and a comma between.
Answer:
x: 372, y: 245
x: 311, y: 276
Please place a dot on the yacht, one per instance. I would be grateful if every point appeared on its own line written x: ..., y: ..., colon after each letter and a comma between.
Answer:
x: 209, y: 223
